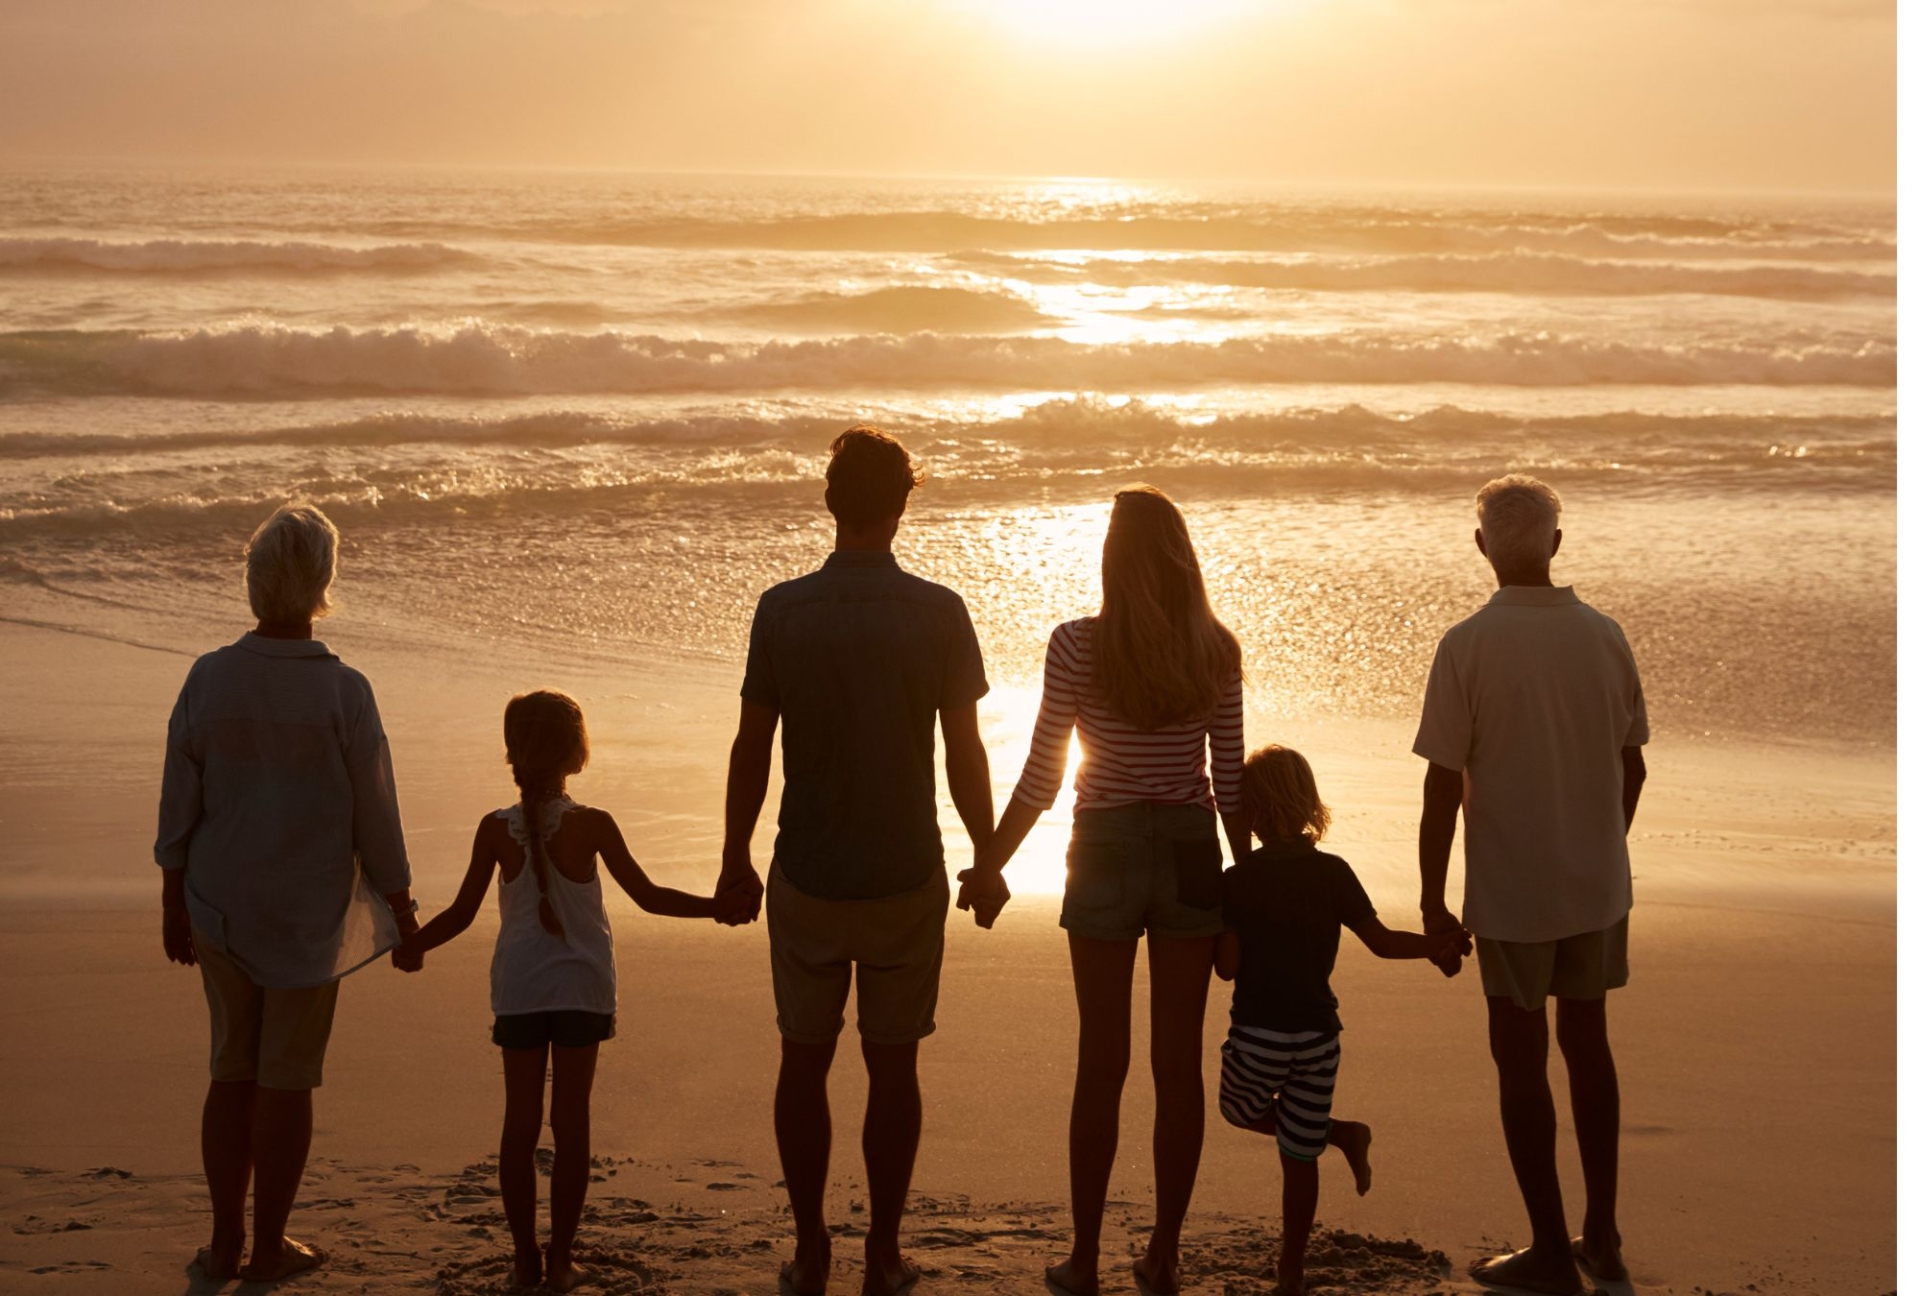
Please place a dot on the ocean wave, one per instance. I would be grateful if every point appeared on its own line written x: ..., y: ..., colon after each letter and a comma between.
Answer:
x: 1526, y: 273
x: 271, y: 361
x: 221, y: 257
x: 904, y: 309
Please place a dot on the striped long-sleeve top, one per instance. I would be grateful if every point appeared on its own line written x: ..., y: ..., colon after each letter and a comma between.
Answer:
x: 1121, y: 764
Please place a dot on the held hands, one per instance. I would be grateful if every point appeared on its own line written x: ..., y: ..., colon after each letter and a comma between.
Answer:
x: 176, y: 934
x: 983, y: 891
x: 737, y: 895
x: 1452, y: 941
x: 407, y: 955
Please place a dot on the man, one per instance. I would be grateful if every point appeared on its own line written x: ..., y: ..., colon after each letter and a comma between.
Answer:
x: 1533, y: 725
x: 853, y: 663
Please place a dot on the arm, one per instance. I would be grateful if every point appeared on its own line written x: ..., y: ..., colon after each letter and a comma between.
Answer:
x: 377, y: 836
x: 1226, y: 954
x: 1634, y: 762
x: 1387, y: 943
x: 458, y: 916
x: 1226, y: 759
x: 970, y: 781
x: 179, y: 812
x: 645, y: 892
x: 1046, y: 767
x: 1439, y: 813
x: 748, y: 769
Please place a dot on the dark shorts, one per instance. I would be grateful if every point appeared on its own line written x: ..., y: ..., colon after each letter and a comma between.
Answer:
x: 1143, y: 868
x: 566, y: 1029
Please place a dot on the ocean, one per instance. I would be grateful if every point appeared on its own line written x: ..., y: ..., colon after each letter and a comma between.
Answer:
x: 584, y: 415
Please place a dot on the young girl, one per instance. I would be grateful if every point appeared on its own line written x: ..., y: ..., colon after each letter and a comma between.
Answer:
x: 1284, y: 907
x: 553, y: 981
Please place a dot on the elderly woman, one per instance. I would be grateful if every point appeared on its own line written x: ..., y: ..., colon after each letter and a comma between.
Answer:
x: 284, y: 870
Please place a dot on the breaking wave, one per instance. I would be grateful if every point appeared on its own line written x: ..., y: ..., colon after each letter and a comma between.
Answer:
x: 209, y: 257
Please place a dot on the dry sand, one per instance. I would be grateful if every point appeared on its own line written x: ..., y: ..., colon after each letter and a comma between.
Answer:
x: 1756, y: 1043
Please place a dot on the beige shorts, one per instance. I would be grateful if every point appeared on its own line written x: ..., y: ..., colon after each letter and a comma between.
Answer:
x: 275, y: 1037
x: 1574, y: 967
x: 892, y: 946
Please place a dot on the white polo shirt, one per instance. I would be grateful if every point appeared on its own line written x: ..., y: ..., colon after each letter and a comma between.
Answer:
x: 1534, y: 697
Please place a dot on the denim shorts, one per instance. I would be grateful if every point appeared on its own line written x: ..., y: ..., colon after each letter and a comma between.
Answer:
x: 1143, y: 867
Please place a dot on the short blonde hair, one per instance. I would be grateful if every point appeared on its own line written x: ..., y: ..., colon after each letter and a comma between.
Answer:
x: 1518, y: 516
x: 290, y: 564
x: 1281, y: 797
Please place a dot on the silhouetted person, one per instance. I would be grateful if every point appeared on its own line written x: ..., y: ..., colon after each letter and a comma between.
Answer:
x: 284, y: 871
x: 1152, y: 684
x: 1533, y: 725
x: 853, y: 663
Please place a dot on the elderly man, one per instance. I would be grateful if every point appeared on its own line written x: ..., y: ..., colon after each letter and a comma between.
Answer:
x: 1533, y: 724
x: 283, y: 870
x: 853, y: 664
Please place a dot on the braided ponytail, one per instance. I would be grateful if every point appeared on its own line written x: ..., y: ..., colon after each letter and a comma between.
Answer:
x: 546, y: 741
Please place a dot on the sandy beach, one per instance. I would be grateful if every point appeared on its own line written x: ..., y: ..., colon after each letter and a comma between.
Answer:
x: 1764, y: 915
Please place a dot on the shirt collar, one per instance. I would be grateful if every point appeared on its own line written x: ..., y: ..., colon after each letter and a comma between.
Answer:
x: 266, y: 647
x: 866, y: 558
x: 1532, y: 596
x: 1290, y: 849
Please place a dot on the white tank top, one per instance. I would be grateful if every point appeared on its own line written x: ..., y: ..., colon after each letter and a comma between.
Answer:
x: 534, y: 970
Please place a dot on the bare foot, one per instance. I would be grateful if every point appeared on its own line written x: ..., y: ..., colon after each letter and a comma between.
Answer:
x: 807, y: 1272
x: 889, y: 1279
x: 279, y: 1265
x: 527, y: 1270
x: 563, y: 1275
x: 1355, y: 1147
x: 219, y: 1263
x: 1527, y: 1271
x: 1602, y: 1261
x: 1069, y: 1276
x: 1161, y: 1277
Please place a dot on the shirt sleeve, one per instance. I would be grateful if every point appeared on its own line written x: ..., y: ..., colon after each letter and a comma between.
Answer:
x: 1446, y: 718
x: 1637, y: 721
x: 377, y: 837
x: 1351, y: 901
x: 1059, y: 707
x: 1227, y: 748
x: 759, y: 687
x: 966, y: 673
x: 179, y: 790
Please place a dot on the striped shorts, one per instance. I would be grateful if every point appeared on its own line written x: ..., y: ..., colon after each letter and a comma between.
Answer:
x: 1283, y: 1076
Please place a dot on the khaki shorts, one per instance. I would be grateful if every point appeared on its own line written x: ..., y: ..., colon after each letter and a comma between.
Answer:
x: 1575, y: 967
x: 893, y: 945
x: 275, y: 1037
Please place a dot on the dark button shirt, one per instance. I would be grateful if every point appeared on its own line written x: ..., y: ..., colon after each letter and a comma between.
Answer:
x: 1288, y: 903
x: 859, y: 658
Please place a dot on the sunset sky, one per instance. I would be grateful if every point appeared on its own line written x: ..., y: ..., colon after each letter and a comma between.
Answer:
x: 1658, y: 94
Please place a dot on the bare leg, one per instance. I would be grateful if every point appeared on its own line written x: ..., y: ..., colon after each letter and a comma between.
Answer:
x: 803, y: 1128
x: 226, y: 1153
x: 1299, y: 1199
x: 890, y: 1140
x: 282, y: 1135
x: 526, y: 1075
x: 571, y: 1117
x: 1355, y: 1141
x: 1181, y: 969
x: 1103, y: 988
x: 1594, y: 1088
x: 1519, y: 1040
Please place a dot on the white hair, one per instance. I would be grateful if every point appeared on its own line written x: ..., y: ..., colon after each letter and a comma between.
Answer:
x: 1518, y: 516
x: 290, y: 564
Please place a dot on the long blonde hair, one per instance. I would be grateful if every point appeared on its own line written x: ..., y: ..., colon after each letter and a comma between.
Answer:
x: 546, y: 742
x: 1160, y: 656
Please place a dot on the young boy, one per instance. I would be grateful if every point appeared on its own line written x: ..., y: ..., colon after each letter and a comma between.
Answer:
x: 1285, y: 906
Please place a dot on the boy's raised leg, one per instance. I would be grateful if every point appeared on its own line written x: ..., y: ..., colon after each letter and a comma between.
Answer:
x: 803, y: 1129
x: 526, y: 1076
x: 571, y: 1117
x: 1355, y: 1141
x: 1594, y: 1089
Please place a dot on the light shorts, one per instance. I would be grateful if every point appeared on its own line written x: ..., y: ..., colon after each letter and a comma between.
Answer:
x: 1574, y: 967
x: 1283, y: 1075
x: 893, y: 946
x: 272, y: 1036
x: 1143, y: 867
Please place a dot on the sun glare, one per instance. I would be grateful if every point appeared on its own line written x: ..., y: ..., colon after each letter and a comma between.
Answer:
x: 1108, y: 22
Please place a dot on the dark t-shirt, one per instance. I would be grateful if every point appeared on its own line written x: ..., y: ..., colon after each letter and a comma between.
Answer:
x: 858, y: 658
x: 1288, y: 903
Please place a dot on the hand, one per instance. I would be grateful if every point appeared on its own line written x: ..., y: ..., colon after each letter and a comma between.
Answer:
x: 408, y: 956
x: 737, y: 895
x: 1441, y: 922
x: 176, y: 934
x: 985, y: 892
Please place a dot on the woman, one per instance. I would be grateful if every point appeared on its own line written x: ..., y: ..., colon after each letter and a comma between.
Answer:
x: 1153, y: 686
x: 284, y: 870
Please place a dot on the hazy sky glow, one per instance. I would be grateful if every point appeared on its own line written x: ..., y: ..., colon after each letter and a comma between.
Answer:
x: 1659, y: 94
